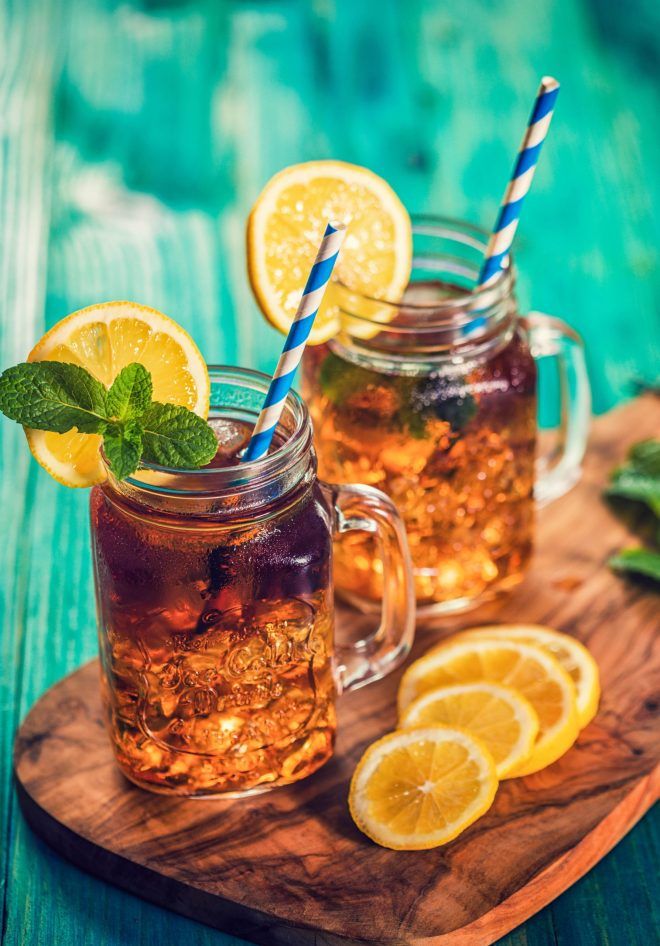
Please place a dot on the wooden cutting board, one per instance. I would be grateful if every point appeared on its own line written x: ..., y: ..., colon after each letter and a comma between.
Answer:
x: 289, y: 867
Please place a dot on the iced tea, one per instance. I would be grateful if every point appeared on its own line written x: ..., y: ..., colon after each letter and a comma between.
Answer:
x: 455, y: 451
x: 432, y: 398
x: 217, y: 644
x: 215, y: 605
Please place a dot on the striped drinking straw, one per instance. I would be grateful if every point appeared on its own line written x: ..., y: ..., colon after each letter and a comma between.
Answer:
x: 296, y: 340
x: 497, y: 252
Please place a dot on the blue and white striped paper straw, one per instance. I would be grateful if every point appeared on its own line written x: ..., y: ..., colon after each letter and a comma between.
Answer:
x: 296, y: 340
x: 508, y: 216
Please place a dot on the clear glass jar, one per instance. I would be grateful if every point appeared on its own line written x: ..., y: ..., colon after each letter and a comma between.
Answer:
x: 434, y: 400
x: 216, y: 615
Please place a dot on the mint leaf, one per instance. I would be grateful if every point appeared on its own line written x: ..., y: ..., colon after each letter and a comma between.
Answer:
x: 401, y: 402
x: 130, y: 392
x: 174, y: 436
x: 639, y: 478
x: 645, y: 457
x: 447, y: 399
x: 640, y: 561
x: 53, y: 395
x: 628, y: 483
x: 342, y: 382
x: 638, y: 482
x: 122, y: 445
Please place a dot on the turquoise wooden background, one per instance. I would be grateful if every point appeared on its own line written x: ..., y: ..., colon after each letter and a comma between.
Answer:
x: 134, y: 138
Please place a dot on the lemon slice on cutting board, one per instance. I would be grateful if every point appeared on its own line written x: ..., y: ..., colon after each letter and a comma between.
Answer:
x: 524, y: 667
x: 283, y: 235
x: 103, y: 339
x: 504, y: 721
x: 571, y: 654
x: 419, y: 788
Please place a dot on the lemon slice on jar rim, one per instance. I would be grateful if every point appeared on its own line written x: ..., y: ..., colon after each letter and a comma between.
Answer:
x: 103, y: 339
x: 283, y: 233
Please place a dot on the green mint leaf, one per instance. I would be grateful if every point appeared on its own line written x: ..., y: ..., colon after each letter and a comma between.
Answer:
x: 400, y: 402
x: 347, y: 384
x: 174, y: 436
x: 130, y: 393
x: 370, y: 396
x: 639, y: 479
x: 645, y: 457
x: 639, y: 561
x: 444, y: 398
x: 630, y: 484
x: 410, y: 418
x: 53, y: 395
x: 122, y: 445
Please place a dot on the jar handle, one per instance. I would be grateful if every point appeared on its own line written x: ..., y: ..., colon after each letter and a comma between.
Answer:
x: 559, y: 468
x: 367, y: 509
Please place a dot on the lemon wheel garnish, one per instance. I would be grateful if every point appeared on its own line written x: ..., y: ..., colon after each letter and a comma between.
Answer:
x: 571, y: 654
x: 419, y: 788
x: 103, y: 339
x: 504, y: 721
x: 286, y: 226
x: 524, y: 667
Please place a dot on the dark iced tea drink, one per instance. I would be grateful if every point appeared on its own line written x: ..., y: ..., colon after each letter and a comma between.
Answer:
x: 216, y: 612
x: 433, y: 401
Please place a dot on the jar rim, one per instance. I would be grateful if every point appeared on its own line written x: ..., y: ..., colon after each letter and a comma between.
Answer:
x: 469, y: 302
x: 251, y: 476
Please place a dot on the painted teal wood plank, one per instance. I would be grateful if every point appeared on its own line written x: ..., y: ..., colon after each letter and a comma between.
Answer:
x: 135, y: 138
x: 93, y: 253
x: 26, y: 85
x: 617, y: 902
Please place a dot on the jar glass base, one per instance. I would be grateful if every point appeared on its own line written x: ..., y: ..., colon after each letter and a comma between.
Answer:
x: 211, y: 795
x: 428, y: 611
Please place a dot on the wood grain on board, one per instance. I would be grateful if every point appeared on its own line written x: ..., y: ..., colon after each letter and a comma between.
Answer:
x: 289, y: 867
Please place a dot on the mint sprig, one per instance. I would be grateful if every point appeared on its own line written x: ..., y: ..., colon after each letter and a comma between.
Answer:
x: 55, y: 396
x: 639, y: 478
x: 405, y: 403
x: 634, y: 493
x: 640, y: 561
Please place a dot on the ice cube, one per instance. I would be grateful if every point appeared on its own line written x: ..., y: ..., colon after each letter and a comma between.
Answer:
x: 232, y: 437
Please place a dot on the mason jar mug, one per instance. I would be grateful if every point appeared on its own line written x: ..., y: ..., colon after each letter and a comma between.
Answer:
x: 219, y: 666
x: 433, y: 399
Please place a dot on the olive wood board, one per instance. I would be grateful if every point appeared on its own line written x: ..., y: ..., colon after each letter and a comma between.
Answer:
x: 289, y: 866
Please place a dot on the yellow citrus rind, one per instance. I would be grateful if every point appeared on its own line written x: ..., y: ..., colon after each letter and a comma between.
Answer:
x: 418, y: 788
x: 284, y: 231
x: 504, y: 721
x: 524, y: 667
x: 103, y: 339
x: 571, y: 654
